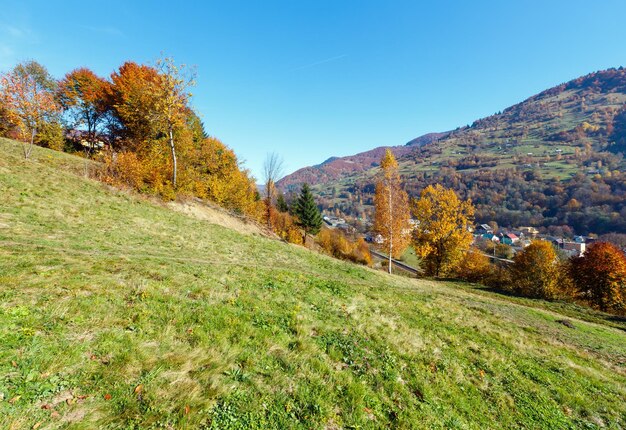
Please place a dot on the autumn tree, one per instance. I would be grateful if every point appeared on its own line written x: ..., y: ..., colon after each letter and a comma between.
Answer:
x: 27, y: 93
x: 599, y: 275
x: 535, y: 271
x: 441, y: 236
x: 84, y: 97
x: 474, y: 266
x: 172, y: 98
x: 272, y: 171
x: 307, y: 212
x: 391, y: 202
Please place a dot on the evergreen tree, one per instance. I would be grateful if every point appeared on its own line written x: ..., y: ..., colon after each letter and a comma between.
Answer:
x: 281, y: 203
x: 309, y: 217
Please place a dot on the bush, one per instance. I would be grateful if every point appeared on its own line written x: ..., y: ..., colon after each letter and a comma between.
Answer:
x: 335, y: 243
x: 599, y: 276
x: 284, y: 225
x: 474, y: 267
x: 536, y: 272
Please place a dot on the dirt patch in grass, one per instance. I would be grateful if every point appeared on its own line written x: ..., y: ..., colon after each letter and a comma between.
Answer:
x: 214, y: 215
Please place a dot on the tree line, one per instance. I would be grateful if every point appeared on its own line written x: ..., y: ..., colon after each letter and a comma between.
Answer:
x: 138, y: 124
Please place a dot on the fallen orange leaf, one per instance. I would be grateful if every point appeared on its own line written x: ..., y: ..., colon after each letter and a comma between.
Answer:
x: 107, y: 396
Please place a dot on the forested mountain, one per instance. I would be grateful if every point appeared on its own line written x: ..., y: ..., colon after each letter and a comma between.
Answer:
x: 554, y: 160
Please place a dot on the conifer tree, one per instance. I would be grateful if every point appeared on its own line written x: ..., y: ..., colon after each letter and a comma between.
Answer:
x: 309, y: 217
x: 281, y: 203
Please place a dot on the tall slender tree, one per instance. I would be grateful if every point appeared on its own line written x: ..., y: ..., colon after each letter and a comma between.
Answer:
x: 27, y: 92
x: 391, y: 203
x: 272, y: 171
x: 309, y: 217
x: 172, y: 96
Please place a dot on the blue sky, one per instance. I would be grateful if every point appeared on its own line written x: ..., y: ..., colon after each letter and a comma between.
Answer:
x: 313, y: 79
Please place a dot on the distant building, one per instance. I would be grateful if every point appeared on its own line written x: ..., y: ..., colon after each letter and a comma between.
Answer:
x: 492, y: 237
x: 484, y: 229
x: 509, y: 239
x: 333, y: 221
x: 528, y: 231
x: 575, y: 249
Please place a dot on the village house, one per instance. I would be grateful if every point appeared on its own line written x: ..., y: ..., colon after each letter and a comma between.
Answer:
x: 509, y: 238
x: 484, y: 229
x: 575, y: 249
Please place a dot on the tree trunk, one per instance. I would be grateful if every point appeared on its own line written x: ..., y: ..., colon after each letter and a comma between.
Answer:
x: 29, y: 150
x: 390, y: 229
x: 173, y: 149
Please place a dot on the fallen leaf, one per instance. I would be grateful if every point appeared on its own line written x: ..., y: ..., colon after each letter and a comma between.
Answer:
x: 138, y: 388
x: 46, y: 406
x: 36, y: 426
x: 107, y: 396
x: 14, y: 364
x: 187, y: 409
x: 14, y: 399
x: 55, y: 414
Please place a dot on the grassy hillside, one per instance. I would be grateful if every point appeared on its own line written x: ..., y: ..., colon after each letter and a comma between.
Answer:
x: 116, y: 312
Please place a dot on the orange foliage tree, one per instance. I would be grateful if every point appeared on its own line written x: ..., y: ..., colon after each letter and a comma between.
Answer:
x: 27, y: 93
x: 335, y: 243
x: 84, y: 98
x: 599, y: 275
x: 391, y: 203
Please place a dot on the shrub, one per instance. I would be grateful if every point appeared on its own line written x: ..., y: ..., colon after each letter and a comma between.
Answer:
x: 474, y: 266
x: 535, y: 271
x: 335, y: 243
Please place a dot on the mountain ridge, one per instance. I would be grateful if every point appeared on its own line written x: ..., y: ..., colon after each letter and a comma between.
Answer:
x: 566, y: 141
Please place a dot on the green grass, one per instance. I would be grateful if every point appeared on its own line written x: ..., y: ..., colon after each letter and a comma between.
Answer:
x: 118, y: 313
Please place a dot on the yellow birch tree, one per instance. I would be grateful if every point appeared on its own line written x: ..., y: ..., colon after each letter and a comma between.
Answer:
x: 391, y: 203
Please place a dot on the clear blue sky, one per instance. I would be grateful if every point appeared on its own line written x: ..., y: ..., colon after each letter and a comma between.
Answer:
x: 312, y: 79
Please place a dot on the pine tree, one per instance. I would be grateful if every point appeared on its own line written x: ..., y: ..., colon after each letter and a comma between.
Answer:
x: 281, y: 203
x: 309, y: 217
x: 391, y: 219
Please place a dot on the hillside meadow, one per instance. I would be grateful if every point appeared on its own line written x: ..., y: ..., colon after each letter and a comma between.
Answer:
x: 117, y: 312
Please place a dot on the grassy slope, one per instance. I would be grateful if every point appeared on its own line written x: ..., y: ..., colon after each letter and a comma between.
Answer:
x: 167, y: 321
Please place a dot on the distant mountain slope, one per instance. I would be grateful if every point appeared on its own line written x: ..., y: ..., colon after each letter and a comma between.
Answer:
x: 573, y: 134
x: 337, y: 167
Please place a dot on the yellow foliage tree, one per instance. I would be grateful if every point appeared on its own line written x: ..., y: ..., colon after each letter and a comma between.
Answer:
x: 535, y: 271
x: 474, y: 266
x: 392, y: 214
x: 441, y: 236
